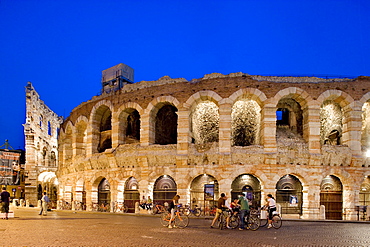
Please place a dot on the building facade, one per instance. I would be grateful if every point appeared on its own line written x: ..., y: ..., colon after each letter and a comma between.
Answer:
x: 41, y: 146
x: 302, y: 139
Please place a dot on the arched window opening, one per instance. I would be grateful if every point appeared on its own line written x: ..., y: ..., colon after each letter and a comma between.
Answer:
x: 331, y: 123
x: 105, y: 131
x: 205, y: 122
x: 133, y: 126
x: 166, y: 125
x: 289, y: 116
x: 246, y: 118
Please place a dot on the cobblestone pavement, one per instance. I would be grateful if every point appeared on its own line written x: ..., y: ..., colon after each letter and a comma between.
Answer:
x: 65, y: 228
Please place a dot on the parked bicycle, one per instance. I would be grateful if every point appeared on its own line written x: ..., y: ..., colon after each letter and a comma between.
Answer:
x: 104, y: 207
x: 196, y: 211
x: 120, y: 207
x: 180, y: 220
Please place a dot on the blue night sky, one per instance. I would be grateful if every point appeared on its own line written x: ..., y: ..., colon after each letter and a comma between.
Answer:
x: 62, y: 46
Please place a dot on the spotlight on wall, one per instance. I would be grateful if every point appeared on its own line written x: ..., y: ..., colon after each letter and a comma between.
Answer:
x: 368, y: 153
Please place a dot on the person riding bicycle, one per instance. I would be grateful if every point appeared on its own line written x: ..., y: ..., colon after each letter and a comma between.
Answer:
x: 271, y: 207
x: 220, y: 207
x: 244, y: 210
x: 172, y: 208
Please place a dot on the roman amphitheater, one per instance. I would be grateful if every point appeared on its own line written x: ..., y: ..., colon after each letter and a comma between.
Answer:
x: 302, y: 139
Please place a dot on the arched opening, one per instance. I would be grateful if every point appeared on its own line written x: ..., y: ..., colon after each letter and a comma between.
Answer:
x: 365, y: 193
x: 104, y: 192
x: 245, y: 126
x: 165, y: 189
x: 248, y: 185
x: 133, y: 126
x: 80, y: 140
x: 205, y: 120
x: 331, y: 123
x: 365, y: 134
x: 204, y: 191
x: 289, y: 118
x: 102, y: 129
x: 131, y: 194
x: 331, y: 197
x: 166, y: 125
x: 39, y: 192
x: 289, y: 195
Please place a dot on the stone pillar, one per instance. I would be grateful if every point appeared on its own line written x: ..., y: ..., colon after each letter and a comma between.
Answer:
x: 352, y: 124
x: 115, y: 130
x: 268, y: 133
x: 312, y: 128
x: 225, y: 126
x: 146, y: 130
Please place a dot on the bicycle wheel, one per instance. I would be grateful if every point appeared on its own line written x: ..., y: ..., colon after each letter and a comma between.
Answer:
x: 181, y: 221
x: 154, y: 210
x: 165, y: 219
x: 276, y: 222
x: 197, y: 212
x: 221, y: 222
x: 186, y: 211
x: 124, y: 208
x: 254, y: 223
x: 234, y: 221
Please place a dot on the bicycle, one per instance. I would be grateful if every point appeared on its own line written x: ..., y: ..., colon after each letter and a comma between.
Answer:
x: 251, y: 220
x: 158, y: 209
x: 196, y: 211
x: 276, y: 220
x: 181, y: 220
x: 120, y: 207
x: 222, y: 220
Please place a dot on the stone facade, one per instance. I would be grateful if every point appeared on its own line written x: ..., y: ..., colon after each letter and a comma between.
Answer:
x: 298, y: 138
x: 40, y: 130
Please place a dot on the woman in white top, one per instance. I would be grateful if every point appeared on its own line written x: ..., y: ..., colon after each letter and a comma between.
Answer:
x: 271, y: 207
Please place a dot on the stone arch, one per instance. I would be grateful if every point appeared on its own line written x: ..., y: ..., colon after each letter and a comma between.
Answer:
x: 364, y: 102
x: 335, y: 108
x: 331, y: 196
x: 129, y: 122
x: 204, y: 116
x: 67, y: 142
x: 101, y: 126
x: 131, y: 193
x: 204, y: 190
x: 164, y: 189
x: 289, y: 194
x: 248, y: 184
x: 163, y: 120
x: 292, y: 111
x: 80, y: 135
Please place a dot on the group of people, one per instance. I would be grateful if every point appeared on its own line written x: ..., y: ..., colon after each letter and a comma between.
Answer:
x: 146, y: 204
x: 241, y: 206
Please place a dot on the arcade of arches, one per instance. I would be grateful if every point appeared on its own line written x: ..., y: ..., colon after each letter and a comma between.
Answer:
x: 304, y: 140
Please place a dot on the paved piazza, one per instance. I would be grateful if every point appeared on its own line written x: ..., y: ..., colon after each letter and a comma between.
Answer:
x: 65, y: 228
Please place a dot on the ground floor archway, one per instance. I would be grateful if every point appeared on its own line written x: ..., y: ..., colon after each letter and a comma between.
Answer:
x: 331, y: 196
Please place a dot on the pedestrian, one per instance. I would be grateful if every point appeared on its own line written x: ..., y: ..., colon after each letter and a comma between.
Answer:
x: 44, y: 204
x: 220, y: 207
x: 271, y: 207
x: 244, y: 210
x: 5, y: 200
x: 172, y: 208
x: 143, y: 203
x: 149, y: 203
